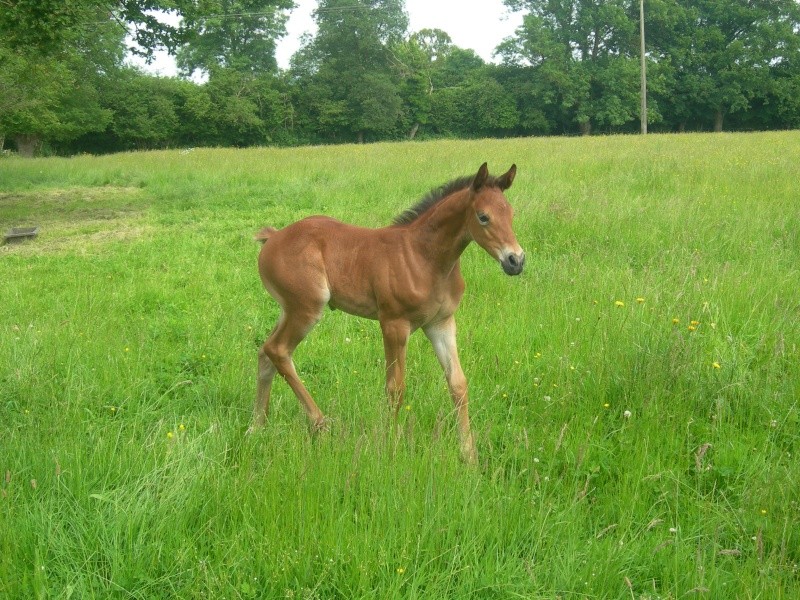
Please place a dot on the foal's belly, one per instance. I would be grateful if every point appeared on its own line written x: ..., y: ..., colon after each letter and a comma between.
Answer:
x: 416, y: 311
x: 358, y: 306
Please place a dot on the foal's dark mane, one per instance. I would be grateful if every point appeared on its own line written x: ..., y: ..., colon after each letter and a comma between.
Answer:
x: 435, y: 196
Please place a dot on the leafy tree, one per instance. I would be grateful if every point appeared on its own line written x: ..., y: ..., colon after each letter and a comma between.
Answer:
x: 233, y: 34
x: 435, y: 43
x: 244, y: 109
x: 451, y: 89
x: 535, y: 117
x: 45, y: 26
x: 52, y: 95
x: 418, y: 60
x: 492, y: 107
x: 52, y: 55
x: 146, y: 113
x: 233, y: 42
x: 468, y: 100
x: 48, y: 26
x: 144, y: 109
x: 454, y: 84
x: 345, y: 75
x: 457, y: 66
x: 784, y: 99
x: 572, y: 66
x: 46, y: 99
x: 576, y: 47
x: 723, y: 55
x: 483, y: 108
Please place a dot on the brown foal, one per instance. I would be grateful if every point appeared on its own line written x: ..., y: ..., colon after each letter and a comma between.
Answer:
x: 406, y: 276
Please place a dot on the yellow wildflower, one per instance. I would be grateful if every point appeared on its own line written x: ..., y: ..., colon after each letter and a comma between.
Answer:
x: 619, y: 303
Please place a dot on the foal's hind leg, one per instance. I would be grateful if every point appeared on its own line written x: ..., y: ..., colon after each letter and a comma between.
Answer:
x: 292, y: 327
x: 266, y: 373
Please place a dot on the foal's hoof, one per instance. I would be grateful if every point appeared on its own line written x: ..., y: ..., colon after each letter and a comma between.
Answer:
x: 469, y: 455
x: 321, y: 425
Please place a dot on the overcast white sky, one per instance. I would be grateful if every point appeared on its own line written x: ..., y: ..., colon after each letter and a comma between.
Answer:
x: 477, y: 24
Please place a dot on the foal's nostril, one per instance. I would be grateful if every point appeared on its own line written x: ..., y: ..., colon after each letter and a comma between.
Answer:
x: 512, y: 263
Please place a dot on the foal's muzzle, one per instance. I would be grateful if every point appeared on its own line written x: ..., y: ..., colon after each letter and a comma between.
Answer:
x: 512, y: 263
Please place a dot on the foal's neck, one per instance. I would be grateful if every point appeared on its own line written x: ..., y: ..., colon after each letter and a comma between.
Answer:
x: 443, y: 230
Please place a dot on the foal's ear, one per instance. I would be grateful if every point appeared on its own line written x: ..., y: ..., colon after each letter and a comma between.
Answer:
x: 481, y: 177
x: 504, y: 181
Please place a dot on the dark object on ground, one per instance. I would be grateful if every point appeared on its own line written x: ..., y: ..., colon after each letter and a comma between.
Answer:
x: 20, y: 234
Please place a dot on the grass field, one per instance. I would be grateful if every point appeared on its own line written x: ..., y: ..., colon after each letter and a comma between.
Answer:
x: 634, y: 393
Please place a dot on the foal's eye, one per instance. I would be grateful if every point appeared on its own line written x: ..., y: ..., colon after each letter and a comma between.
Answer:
x: 483, y: 218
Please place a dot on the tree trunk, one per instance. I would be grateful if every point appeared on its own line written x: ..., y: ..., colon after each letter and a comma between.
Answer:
x: 28, y: 144
x: 718, y: 117
x: 413, y: 131
x: 360, y: 137
x: 586, y: 128
x: 682, y: 127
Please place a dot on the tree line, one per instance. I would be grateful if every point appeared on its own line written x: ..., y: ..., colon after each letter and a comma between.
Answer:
x: 571, y: 68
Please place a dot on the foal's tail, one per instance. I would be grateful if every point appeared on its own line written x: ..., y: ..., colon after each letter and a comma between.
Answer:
x: 263, y: 235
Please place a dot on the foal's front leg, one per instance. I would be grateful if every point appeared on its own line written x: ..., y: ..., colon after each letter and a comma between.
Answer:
x: 395, y: 341
x: 443, y: 339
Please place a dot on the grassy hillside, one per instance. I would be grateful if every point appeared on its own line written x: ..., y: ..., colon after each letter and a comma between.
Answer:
x: 634, y: 393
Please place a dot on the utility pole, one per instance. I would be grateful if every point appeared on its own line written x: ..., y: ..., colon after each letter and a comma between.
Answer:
x: 644, y: 69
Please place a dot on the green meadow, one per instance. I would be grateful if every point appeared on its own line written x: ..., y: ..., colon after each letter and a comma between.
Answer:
x: 634, y: 393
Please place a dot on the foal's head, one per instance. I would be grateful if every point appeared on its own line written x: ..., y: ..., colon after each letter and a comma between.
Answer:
x: 489, y: 219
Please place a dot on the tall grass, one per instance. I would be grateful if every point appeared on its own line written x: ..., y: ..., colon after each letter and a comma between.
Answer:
x: 634, y: 393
